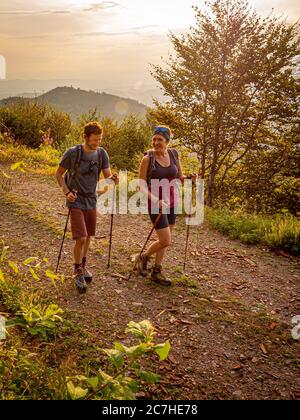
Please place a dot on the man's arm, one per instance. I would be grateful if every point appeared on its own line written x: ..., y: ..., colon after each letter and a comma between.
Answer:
x: 107, y: 173
x: 72, y: 197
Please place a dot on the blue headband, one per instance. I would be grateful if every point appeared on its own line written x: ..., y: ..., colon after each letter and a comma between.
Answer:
x: 164, y: 131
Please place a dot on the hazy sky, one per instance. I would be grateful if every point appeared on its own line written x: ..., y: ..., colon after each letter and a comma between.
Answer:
x: 112, y: 41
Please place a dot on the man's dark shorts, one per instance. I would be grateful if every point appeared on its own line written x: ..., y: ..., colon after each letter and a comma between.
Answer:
x: 83, y: 223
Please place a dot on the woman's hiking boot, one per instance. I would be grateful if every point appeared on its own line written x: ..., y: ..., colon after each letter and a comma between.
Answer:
x: 158, y: 277
x: 141, y: 264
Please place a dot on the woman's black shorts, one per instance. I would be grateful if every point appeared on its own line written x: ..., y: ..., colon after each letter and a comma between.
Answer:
x: 165, y: 219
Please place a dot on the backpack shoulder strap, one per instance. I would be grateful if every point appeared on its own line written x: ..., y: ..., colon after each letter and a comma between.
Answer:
x: 78, y: 159
x: 151, y: 166
x: 71, y: 174
x: 175, y: 156
x: 100, y: 161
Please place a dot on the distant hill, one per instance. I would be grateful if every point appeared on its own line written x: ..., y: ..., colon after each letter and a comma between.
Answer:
x: 141, y: 92
x: 78, y: 101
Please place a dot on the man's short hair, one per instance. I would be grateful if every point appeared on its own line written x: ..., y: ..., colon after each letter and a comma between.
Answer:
x: 92, y: 128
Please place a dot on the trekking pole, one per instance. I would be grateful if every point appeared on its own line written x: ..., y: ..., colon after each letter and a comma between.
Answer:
x: 62, y: 244
x: 188, y: 230
x: 111, y: 227
x: 148, y: 239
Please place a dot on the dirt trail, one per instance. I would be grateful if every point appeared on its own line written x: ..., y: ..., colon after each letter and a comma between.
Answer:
x: 234, y: 298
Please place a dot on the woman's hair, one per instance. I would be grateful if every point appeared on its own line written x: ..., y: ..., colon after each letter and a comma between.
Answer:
x: 92, y: 128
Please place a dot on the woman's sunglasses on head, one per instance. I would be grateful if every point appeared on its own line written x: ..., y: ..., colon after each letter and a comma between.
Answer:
x: 158, y: 130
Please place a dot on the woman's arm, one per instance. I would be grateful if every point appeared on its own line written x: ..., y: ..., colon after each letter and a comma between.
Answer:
x: 144, y: 166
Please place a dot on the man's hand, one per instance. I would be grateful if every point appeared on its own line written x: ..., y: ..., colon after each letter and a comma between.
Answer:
x: 114, y: 178
x: 72, y: 196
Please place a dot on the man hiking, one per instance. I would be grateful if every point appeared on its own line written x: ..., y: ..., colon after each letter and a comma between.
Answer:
x: 78, y: 175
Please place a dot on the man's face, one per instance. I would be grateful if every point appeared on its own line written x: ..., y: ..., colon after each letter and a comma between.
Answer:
x: 93, y: 142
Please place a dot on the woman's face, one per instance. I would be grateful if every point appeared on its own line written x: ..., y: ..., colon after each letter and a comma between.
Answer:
x: 159, y: 143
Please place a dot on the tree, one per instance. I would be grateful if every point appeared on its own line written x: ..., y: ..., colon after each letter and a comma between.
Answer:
x: 123, y: 140
x: 126, y: 140
x: 267, y: 180
x: 230, y: 87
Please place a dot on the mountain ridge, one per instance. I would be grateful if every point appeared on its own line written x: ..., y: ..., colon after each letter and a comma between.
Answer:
x: 77, y: 101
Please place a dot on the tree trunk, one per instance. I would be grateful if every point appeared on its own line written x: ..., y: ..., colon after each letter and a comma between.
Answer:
x: 211, y: 189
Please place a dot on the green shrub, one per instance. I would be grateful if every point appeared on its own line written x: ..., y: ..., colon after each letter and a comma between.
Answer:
x: 284, y: 234
x: 237, y: 225
x: 20, y: 296
x: 27, y: 121
x: 278, y: 232
x: 125, y: 369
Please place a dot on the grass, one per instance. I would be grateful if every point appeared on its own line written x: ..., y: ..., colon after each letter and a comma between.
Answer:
x: 184, y: 280
x: 284, y: 234
x: 279, y: 232
x: 42, y: 161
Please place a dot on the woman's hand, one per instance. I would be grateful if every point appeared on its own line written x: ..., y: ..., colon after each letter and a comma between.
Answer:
x: 160, y: 203
x: 193, y: 177
x: 163, y: 204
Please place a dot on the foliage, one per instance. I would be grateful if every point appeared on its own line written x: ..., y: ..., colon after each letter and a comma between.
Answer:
x: 28, y: 122
x: 21, y: 158
x: 22, y: 373
x: 19, y: 295
x: 39, y: 318
x: 278, y: 232
x: 125, y: 369
x: 267, y: 180
x: 232, y: 86
x: 284, y: 234
x: 123, y: 141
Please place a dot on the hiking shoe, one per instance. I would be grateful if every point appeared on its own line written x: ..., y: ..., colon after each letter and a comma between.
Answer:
x: 88, y: 276
x: 80, y: 282
x: 141, y: 264
x: 158, y: 277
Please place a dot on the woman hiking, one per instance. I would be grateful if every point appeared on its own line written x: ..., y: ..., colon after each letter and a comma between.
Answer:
x: 82, y: 166
x: 160, y: 163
